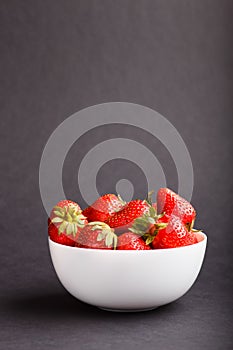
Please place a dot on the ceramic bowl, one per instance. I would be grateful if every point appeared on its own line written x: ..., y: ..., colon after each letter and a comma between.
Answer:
x: 127, y: 280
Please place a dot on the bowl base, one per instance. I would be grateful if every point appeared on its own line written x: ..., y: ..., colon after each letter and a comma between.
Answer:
x: 127, y: 310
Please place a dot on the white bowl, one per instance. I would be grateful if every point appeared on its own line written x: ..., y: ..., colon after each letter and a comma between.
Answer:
x: 127, y: 280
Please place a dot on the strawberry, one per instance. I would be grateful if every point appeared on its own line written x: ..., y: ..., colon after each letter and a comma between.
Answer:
x: 122, y: 220
x: 66, y: 203
x: 159, y: 224
x: 162, y: 230
x: 66, y: 220
x: 103, y: 208
x: 61, y: 238
x: 149, y: 224
x: 131, y: 241
x: 172, y: 204
x: 174, y: 235
x: 97, y: 235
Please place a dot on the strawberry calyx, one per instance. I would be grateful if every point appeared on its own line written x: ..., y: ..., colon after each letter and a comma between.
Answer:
x: 68, y: 220
x: 148, y: 226
x: 190, y: 226
x: 106, y: 233
x: 149, y: 197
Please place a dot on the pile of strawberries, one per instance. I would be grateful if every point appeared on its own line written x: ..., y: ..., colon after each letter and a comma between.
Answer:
x: 111, y: 223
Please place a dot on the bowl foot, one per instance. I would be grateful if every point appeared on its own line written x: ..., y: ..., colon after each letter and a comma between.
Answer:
x: 127, y: 310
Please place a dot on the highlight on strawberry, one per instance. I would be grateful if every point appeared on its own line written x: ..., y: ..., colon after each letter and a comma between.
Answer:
x: 110, y: 223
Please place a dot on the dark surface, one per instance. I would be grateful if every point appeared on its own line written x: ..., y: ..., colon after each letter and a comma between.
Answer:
x: 58, y: 57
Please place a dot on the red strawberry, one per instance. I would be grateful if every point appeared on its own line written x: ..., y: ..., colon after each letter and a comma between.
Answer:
x: 66, y: 203
x: 65, y: 222
x: 160, y: 223
x: 103, y: 208
x: 148, y: 224
x: 97, y: 235
x: 131, y: 241
x: 61, y: 238
x: 172, y: 204
x: 124, y: 218
x: 174, y: 235
x: 163, y: 231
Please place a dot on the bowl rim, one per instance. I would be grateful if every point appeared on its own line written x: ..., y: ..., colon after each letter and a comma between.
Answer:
x: 112, y: 251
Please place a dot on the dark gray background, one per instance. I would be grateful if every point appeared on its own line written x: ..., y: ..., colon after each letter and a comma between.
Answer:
x: 58, y: 57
